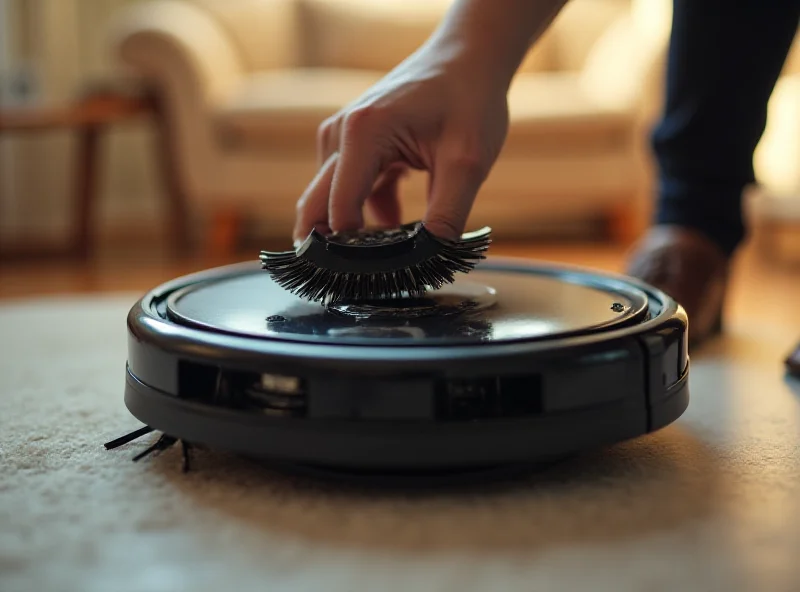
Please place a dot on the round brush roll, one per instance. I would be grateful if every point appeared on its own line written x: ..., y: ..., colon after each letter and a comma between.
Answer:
x: 372, y: 264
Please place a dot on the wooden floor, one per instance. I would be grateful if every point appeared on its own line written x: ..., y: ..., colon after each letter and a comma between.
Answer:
x: 123, y: 270
x: 762, y: 291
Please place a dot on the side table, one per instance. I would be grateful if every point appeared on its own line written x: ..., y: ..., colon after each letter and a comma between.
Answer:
x: 89, y: 116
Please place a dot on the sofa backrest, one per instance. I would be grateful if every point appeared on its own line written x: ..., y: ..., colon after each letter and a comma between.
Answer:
x: 363, y: 34
x: 379, y: 34
x: 579, y: 26
x: 626, y: 65
x: 265, y: 32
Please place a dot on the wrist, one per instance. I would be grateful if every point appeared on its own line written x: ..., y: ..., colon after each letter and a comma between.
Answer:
x: 483, y: 66
x: 491, y: 37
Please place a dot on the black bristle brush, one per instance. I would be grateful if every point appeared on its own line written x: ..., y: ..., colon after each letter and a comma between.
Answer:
x: 373, y: 264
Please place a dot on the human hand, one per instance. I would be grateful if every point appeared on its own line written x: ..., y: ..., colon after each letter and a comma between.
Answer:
x: 437, y: 112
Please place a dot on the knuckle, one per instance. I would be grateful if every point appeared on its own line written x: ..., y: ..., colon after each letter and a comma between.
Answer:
x: 361, y: 119
x: 467, y: 153
x: 470, y: 162
x: 447, y: 225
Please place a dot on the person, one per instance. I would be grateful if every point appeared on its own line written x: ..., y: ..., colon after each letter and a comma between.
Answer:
x: 444, y: 110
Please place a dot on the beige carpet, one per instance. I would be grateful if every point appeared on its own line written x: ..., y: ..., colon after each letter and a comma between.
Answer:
x: 711, y: 503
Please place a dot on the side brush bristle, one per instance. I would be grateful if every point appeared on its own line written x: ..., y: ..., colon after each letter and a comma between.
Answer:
x: 433, y: 265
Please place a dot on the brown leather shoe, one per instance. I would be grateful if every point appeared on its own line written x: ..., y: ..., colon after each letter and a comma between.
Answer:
x: 690, y: 268
x: 792, y: 362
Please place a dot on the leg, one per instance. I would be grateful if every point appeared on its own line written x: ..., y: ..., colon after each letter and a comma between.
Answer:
x: 724, y: 59
x: 792, y: 362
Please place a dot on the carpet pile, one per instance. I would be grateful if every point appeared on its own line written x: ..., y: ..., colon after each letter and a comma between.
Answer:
x: 710, y: 503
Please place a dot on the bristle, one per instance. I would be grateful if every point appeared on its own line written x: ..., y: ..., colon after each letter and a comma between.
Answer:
x: 304, y: 279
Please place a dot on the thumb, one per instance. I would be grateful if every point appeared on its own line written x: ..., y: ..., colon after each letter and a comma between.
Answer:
x: 456, y: 180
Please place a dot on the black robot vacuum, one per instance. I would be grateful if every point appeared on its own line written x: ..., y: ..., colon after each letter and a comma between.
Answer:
x: 515, y: 363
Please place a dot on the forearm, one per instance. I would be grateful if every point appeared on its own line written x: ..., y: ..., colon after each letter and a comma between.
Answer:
x: 495, y: 35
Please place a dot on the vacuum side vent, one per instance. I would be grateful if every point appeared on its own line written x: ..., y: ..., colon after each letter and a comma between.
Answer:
x: 464, y: 399
x: 270, y: 393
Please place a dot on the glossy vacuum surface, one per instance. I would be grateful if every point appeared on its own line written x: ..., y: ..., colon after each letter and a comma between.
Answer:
x: 515, y: 363
x: 483, y: 307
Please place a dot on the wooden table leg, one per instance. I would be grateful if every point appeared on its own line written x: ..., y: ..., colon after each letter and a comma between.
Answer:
x: 226, y: 224
x: 88, y: 117
x: 85, y: 191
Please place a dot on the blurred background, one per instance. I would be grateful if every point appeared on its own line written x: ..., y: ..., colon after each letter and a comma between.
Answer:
x: 173, y: 130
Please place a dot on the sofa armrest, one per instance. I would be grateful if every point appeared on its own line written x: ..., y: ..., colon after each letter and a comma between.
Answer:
x: 183, y: 54
x: 177, y: 47
x: 624, y: 70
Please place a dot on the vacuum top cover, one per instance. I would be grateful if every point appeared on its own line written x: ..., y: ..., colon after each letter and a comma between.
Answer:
x: 490, y: 305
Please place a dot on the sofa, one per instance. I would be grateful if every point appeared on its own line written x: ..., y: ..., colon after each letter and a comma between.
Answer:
x: 246, y: 83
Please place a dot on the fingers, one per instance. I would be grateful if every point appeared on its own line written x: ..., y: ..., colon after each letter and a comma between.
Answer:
x: 455, y: 182
x: 384, y: 201
x: 350, y: 173
x: 361, y: 158
x: 327, y: 139
x: 359, y: 166
x: 312, y: 207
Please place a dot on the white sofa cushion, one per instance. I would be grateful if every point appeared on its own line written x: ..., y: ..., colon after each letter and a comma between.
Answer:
x: 379, y: 34
x: 285, y: 106
x: 366, y: 34
x: 552, y: 113
x: 266, y: 33
x: 281, y: 110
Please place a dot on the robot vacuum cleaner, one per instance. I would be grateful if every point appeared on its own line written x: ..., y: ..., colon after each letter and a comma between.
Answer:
x: 514, y: 364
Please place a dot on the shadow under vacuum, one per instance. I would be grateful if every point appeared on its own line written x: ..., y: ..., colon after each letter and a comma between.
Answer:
x: 653, y: 483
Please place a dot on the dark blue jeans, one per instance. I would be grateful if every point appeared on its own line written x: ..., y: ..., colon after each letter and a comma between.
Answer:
x: 724, y: 59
